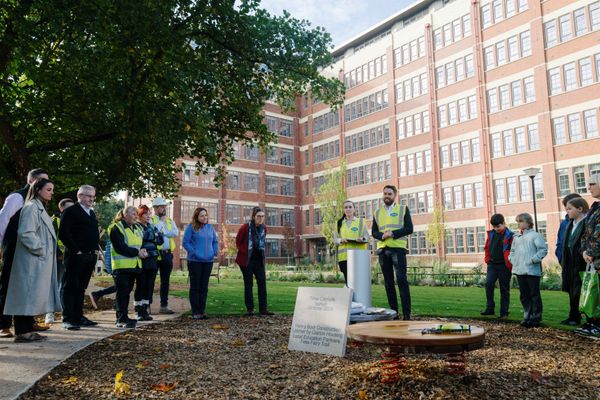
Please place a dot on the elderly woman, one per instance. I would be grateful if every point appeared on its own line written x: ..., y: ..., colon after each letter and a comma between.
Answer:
x: 526, y: 254
x: 590, y: 247
x: 33, y: 285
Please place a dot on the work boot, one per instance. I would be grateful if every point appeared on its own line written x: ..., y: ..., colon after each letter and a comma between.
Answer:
x: 139, y: 314
x: 146, y: 316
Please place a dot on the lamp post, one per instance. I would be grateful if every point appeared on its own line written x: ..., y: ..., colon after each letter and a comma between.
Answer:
x: 532, y: 172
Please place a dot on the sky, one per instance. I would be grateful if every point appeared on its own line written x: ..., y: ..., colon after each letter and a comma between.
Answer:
x: 343, y: 19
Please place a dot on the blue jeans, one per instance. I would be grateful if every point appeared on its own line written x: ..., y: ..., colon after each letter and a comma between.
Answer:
x: 199, y: 277
x: 394, y: 260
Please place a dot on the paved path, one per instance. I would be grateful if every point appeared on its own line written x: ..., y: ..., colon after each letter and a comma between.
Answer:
x: 23, y: 364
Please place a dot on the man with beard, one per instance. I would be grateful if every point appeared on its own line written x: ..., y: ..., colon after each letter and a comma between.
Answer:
x: 391, y: 225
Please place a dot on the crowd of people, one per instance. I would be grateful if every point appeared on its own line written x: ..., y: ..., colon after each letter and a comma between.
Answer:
x: 48, y: 261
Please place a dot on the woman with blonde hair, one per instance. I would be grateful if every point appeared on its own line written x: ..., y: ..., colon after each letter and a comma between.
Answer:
x: 526, y: 254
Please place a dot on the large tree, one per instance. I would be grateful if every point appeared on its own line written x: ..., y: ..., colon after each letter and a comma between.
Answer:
x: 112, y: 92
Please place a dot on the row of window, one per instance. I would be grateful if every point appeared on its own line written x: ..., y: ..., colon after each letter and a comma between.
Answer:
x: 277, y: 155
x: 499, y: 10
x: 245, y: 152
x: 367, y: 139
x: 324, y: 122
x: 413, y: 164
x: 280, y: 126
x: 366, y: 72
x: 517, y: 188
x: 573, y: 24
x: 279, y: 216
x: 236, y: 178
x: 409, y: 52
x: 512, y: 94
x: 580, y: 176
x: 574, y: 75
x: 463, y: 196
x: 418, y: 203
x: 452, y: 32
x: 189, y: 177
x: 454, y: 71
x: 507, y: 50
x: 457, y: 111
x: 370, y: 173
x: 465, y: 240
x: 413, y: 125
x: 280, y: 186
x: 464, y: 152
x: 411, y: 88
x: 569, y: 128
x: 517, y: 140
x: 367, y: 105
x: 189, y: 206
x: 326, y: 151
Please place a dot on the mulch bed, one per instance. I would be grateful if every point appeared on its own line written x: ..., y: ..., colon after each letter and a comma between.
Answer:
x: 247, y: 358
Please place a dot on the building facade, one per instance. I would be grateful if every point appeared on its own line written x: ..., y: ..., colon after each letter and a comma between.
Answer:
x: 448, y: 100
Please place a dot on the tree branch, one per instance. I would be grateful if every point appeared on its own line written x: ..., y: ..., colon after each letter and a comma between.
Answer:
x: 65, y: 144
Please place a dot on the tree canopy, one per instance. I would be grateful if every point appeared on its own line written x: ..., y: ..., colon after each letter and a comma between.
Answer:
x: 111, y: 93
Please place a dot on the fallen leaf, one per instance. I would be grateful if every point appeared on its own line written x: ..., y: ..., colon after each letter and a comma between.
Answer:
x: 165, y: 366
x: 536, y: 376
x: 143, y: 364
x: 121, y: 387
x: 219, y: 327
x: 164, y: 387
x: 69, y: 380
x: 362, y: 395
x: 239, y: 343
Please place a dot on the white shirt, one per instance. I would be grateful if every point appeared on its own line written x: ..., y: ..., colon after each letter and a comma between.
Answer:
x: 87, y: 210
x: 13, y: 203
x: 389, y: 209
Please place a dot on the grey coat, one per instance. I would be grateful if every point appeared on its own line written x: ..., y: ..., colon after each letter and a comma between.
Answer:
x: 33, y: 286
x: 526, y: 253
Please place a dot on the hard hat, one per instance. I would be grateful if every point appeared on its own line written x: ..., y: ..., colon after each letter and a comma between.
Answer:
x: 159, y: 201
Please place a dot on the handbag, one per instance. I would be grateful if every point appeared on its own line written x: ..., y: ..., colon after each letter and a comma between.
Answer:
x: 589, y: 302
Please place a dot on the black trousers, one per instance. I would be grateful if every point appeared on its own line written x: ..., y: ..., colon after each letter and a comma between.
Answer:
x: 199, y: 277
x: 344, y: 269
x: 23, y: 324
x: 574, y: 313
x: 144, y: 285
x: 78, y: 271
x: 124, y: 281
x: 497, y: 272
x: 7, y: 260
x: 531, y: 298
x: 256, y: 268
x: 394, y: 260
x: 165, y: 267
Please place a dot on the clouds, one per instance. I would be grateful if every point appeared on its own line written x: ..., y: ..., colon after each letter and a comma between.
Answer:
x: 342, y: 19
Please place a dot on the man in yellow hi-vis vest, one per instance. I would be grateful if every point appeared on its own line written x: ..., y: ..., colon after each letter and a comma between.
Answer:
x: 391, y: 226
x: 168, y: 228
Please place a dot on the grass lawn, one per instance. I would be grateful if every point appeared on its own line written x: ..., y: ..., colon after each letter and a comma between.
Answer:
x: 451, y: 302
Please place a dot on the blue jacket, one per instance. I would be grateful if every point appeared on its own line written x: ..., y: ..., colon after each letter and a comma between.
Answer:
x: 201, y: 245
x: 560, y: 237
x: 526, y: 253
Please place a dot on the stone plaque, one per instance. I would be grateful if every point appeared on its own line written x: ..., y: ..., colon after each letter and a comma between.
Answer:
x: 320, y: 319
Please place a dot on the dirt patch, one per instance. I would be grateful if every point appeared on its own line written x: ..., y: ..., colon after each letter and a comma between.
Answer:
x: 247, y: 358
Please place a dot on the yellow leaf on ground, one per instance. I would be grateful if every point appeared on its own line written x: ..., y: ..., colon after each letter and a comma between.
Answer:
x: 362, y: 395
x: 164, y: 387
x: 120, y: 386
x: 219, y: 327
x: 69, y: 380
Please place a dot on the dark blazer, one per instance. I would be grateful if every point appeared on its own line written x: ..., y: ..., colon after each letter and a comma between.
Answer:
x: 572, y: 261
x: 78, y: 230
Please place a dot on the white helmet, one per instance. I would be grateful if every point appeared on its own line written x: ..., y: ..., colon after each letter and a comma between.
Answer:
x: 159, y: 201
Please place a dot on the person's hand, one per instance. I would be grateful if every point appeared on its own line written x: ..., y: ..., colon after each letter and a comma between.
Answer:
x: 342, y: 241
x: 387, y: 234
x: 143, y: 253
x: 587, y: 258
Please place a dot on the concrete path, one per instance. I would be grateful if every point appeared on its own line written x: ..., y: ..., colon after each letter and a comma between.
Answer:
x: 23, y: 364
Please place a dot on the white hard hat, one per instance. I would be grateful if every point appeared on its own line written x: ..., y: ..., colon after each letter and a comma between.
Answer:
x: 159, y: 201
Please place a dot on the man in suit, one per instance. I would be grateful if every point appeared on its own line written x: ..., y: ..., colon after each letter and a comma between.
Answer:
x: 9, y: 224
x: 79, y: 234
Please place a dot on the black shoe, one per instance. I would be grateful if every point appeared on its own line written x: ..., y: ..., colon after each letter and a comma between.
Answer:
x: 128, y: 324
x: 267, y: 312
x: 71, y: 327
x: 406, y: 318
x: 570, y: 322
x: 503, y: 317
x: 486, y: 312
x: 86, y: 322
x: 250, y: 313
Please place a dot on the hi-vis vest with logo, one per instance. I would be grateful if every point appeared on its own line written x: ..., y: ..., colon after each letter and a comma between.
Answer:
x: 59, y: 243
x: 133, y: 238
x: 355, y: 231
x: 169, y: 223
x: 391, y: 222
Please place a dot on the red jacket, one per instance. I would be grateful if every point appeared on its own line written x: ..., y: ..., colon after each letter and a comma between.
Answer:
x: 506, y: 243
x: 241, y: 242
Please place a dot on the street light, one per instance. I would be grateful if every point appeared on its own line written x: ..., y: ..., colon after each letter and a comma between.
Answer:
x: 532, y: 172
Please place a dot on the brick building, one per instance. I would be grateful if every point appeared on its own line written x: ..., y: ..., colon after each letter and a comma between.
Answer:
x: 448, y: 100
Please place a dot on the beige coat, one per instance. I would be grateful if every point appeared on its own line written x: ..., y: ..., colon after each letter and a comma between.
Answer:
x: 33, y: 286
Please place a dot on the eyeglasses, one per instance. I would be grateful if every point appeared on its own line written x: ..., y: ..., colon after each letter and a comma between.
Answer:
x: 591, y: 184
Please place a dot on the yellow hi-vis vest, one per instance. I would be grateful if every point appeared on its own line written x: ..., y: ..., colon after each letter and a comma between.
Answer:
x: 155, y: 220
x: 133, y: 238
x: 391, y: 222
x: 356, y: 230
x: 59, y: 243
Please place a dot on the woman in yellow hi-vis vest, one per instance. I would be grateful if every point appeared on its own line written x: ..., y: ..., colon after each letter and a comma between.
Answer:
x: 351, y: 234
x: 126, y: 253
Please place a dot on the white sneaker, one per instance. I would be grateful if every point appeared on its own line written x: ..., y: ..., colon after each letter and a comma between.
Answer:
x: 49, y: 318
